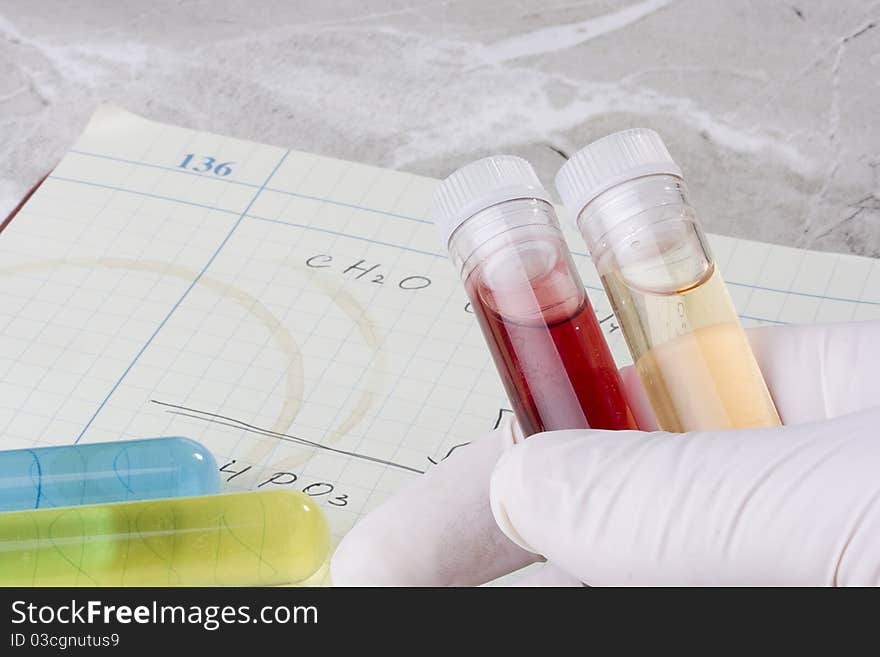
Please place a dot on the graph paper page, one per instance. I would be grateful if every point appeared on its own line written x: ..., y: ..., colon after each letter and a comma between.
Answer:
x: 293, y: 313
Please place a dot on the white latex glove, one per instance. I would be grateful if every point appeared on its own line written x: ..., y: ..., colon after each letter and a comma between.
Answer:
x: 796, y: 505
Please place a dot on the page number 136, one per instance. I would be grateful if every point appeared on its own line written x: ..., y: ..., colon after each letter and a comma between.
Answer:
x: 205, y: 164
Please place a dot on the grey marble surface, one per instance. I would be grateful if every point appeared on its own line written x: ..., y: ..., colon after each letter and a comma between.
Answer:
x: 771, y: 108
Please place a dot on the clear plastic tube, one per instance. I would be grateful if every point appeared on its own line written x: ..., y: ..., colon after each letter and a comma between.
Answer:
x: 674, y: 309
x: 97, y: 473
x: 532, y: 307
x: 241, y: 539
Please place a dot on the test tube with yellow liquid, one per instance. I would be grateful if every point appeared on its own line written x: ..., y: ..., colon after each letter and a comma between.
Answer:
x: 695, y: 362
x: 238, y: 539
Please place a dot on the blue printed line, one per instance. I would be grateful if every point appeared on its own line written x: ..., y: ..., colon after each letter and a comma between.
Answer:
x: 237, y: 182
x: 354, y: 237
x: 164, y: 168
x: 763, y: 319
x: 427, y: 253
x: 250, y: 216
x: 803, y: 294
x: 181, y: 299
x: 778, y: 290
x: 148, y: 194
x: 349, y: 205
x: 336, y: 233
x: 422, y: 221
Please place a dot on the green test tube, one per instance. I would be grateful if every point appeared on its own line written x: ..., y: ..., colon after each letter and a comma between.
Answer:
x: 238, y: 539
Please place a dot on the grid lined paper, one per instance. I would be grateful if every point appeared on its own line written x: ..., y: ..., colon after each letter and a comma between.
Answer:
x: 293, y: 313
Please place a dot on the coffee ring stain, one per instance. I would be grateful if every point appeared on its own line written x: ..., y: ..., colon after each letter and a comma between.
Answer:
x: 295, y: 381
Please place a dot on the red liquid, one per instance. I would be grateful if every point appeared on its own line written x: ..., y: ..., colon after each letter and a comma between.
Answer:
x: 548, y: 347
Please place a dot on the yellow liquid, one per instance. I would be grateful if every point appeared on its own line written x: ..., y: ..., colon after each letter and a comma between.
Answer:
x: 692, y: 355
x: 262, y: 538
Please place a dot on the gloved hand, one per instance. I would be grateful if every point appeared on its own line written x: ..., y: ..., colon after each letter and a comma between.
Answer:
x: 792, y: 505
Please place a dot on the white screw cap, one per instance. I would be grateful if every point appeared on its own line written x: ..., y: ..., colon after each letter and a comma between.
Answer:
x: 609, y: 161
x: 479, y: 185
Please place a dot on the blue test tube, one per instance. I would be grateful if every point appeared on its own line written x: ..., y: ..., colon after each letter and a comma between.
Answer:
x: 98, y: 473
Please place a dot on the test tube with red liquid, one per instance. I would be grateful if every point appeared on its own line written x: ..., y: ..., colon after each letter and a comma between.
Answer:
x: 503, y: 236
